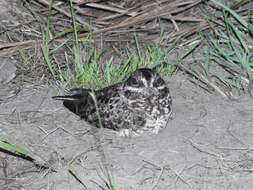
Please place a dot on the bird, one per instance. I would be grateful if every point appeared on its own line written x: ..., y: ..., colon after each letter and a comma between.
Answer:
x: 140, y: 104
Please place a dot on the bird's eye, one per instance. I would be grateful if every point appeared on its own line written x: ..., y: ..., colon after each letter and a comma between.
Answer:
x: 134, y: 82
x: 158, y: 82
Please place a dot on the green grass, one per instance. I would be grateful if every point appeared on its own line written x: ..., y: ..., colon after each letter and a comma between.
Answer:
x: 80, y: 64
x: 14, y: 149
x: 231, y: 51
x: 93, y: 73
x: 89, y: 68
x: 227, y: 55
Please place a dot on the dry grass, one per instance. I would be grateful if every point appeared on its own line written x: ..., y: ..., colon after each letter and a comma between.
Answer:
x: 115, y: 26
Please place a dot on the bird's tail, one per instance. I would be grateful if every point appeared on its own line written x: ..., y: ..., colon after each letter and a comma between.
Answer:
x: 76, y: 101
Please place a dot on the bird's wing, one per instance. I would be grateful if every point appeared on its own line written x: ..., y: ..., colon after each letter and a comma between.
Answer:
x: 77, y: 100
x: 80, y: 101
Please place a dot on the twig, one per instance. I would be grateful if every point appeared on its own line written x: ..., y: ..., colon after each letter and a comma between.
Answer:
x: 234, y: 136
x: 15, y: 44
x: 77, y: 178
x: 234, y: 148
x: 215, y: 87
x: 14, y: 47
x: 181, y: 178
x: 46, y: 3
x: 167, y: 167
x: 16, y: 26
x: 158, y: 179
x: 174, y: 23
x: 108, y: 8
x: 194, y: 145
x: 54, y: 130
x: 147, y: 15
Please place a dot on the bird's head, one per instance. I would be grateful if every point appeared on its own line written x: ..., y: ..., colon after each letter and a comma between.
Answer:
x: 144, y: 83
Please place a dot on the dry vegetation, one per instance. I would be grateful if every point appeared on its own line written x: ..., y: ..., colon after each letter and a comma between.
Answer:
x: 209, y: 40
x: 63, y: 41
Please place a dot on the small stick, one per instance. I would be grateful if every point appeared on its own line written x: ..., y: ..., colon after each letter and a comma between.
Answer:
x: 194, y: 145
x: 77, y: 178
x: 159, y: 178
x: 46, y: 3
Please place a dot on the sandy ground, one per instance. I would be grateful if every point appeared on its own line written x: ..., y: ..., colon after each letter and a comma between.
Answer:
x: 207, y: 145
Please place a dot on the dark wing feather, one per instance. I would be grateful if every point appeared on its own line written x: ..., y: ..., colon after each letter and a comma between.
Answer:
x: 77, y: 101
x: 80, y: 102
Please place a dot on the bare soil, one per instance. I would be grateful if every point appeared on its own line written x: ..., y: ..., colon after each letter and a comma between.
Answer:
x: 207, y: 145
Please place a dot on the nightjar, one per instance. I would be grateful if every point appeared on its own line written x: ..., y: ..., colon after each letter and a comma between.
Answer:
x: 140, y: 104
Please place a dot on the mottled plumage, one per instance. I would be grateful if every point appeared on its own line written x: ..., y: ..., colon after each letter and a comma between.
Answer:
x: 140, y: 104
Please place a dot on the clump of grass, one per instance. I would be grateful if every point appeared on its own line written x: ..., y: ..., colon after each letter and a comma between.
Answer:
x: 231, y: 51
x: 227, y: 65
x: 89, y: 69
x: 92, y: 73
